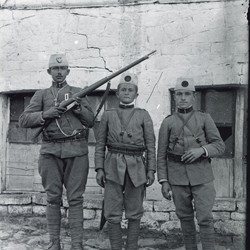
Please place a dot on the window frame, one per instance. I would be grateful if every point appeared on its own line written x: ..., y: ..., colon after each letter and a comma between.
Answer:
x: 30, y: 93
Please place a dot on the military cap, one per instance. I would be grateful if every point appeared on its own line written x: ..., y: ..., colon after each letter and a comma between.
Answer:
x: 58, y: 60
x: 184, y: 84
x: 129, y: 78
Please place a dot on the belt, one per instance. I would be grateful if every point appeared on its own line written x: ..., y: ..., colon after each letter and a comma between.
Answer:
x: 126, y: 151
x: 77, y: 137
x: 177, y: 158
x: 174, y: 157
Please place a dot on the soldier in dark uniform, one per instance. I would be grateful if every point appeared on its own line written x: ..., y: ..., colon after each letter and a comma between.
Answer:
x: 64, y: 152
x: 126, y: 132
x: 187, y: 141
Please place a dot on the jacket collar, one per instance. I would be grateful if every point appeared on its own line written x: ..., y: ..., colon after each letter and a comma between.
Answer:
x: 123, y: 106
x: 185, y: 111
x: 59, y: 85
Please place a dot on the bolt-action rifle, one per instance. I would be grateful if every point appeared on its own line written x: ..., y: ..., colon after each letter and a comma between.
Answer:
x: 71, y: 101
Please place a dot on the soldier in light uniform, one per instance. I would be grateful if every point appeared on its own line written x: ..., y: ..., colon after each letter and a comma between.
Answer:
x: 127, y: 133
x: 187, y: 141
x: 64, y: 152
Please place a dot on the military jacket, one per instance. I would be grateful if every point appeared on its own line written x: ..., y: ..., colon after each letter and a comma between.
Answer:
x: 43, y: 100
x: 174, y: 138
x: 138, y: 132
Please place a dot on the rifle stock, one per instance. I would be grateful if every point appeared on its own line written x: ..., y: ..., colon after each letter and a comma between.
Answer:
x: 70, y: 102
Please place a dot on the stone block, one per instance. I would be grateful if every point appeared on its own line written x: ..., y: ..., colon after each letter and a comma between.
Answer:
x: 92, y: 204
x: 173, y: 216
x: 149, y: 222
x: 154, y: 191
x: 238, y: 216
x: 230, y: 227
x: 157, y: 216
x: 91, y: 224
x: 88, y: 214
x: 148, y: 206
x: 20, y: 210
x: 15, y: 199
x: 3, y: 210
x: 40, y: 199
x: 39, y: 210
x: 169, y: 226
x: 224, y: 205
x: 221, y: 216
x: 241, y: 206
x: 164, y: 206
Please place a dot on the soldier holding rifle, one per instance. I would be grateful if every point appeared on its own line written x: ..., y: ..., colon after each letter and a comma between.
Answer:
x: 64, y: 152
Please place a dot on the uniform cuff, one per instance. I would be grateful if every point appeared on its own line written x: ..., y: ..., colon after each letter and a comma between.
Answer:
x: 42, y: 120
x: 163, y: 180
x: 206, y: 152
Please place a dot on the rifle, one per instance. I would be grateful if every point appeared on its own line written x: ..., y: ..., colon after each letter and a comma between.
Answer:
x: 71, y: 101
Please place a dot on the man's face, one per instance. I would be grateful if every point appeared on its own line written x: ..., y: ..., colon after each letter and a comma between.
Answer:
x: 58, y: 73
x: 184, y: 98
x: 127, y: 93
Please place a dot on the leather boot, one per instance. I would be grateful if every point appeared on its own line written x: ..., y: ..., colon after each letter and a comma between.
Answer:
x: 207, y: 237
x: 115, y: 235
x: 54, y: 244
x: 76, y: 246
x: 133, y: 234
x: 189, y: 234
x: 76, y: 226
x: 53, y: 216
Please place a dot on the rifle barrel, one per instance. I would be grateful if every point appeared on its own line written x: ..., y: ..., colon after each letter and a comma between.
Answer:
x: 94, y: 86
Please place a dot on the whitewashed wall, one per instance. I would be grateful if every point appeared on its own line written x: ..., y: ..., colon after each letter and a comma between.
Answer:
x: 206, y: 40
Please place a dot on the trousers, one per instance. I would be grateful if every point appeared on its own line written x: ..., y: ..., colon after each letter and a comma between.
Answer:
x: 70, y: 172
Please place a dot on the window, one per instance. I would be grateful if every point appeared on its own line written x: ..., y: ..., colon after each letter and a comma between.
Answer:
x: 19, y: 101
x: 220, y: 102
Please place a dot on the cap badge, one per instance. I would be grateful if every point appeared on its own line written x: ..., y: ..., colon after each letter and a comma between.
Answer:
x: 59, y: 59
x: 184, y: 84
x: 127, y: 78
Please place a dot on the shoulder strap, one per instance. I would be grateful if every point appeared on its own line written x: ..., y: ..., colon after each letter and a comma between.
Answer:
x: 184, y: 121
x: 183, y: 125
x: 124, y: 126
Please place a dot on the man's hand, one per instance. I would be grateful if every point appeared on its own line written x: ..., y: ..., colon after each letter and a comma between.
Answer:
x: 53, y: 112
x: 192, y: 154
x: 150, y: 178
x: 77, y: 107
x: 100, y: 177
x: 166, y: 190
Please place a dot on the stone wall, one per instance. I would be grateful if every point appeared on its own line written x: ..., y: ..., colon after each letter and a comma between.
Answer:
x: 159, y: 216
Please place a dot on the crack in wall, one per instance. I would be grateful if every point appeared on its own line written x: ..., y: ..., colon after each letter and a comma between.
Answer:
x: 99, y: 51
x: 16, y: 20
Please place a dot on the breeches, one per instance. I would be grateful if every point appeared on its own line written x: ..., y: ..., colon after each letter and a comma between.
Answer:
x: 117, y: 197
x: 199, y: 198
x: 70, y: 172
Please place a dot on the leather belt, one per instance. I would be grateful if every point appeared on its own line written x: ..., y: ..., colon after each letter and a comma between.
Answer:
x: 126, y: 151
x: 174, y: 157
x: 79, y: 136
x: 177, y: 158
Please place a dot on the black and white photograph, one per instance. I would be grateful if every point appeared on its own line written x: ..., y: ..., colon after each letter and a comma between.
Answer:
x: 124, y: 124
